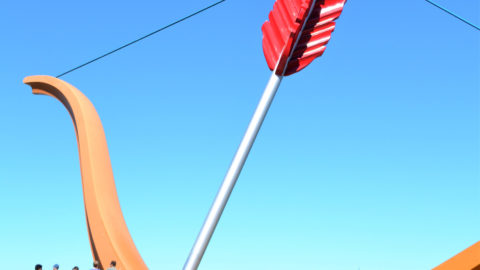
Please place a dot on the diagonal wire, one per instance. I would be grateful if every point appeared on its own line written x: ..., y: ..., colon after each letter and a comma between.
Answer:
x: 454, y: 15
x: 141, y: 38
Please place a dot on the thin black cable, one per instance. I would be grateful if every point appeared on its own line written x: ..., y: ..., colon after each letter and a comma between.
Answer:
x: 137, y: 40
x: 454, y: 15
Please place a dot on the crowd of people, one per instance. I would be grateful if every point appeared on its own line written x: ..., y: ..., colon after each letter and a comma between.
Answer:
x: 96, y: 266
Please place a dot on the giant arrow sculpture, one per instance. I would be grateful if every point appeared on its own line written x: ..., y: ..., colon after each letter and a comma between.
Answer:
x: 296, y: 34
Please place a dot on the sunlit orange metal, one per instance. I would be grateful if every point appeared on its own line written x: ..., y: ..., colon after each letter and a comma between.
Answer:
x: 469, y: 259
x: 108, y: 232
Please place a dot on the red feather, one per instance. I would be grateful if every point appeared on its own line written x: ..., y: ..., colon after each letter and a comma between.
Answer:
x: 281, y: 32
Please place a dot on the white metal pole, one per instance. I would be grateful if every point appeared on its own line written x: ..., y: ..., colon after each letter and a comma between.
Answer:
x: 233, y: 172
x: 238, y: 161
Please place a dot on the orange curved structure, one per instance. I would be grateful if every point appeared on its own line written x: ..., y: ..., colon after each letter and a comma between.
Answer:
x: 469, y: 259
x: 108, y: 232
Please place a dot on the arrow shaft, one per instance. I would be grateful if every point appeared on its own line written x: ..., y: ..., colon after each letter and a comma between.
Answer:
x: 233, y: 172
x: 299, y: 36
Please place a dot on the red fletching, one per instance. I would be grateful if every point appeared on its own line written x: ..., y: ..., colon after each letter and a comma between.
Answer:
x: 285, y: 23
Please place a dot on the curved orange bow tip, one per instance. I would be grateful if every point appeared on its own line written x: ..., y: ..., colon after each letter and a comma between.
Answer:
x: 108, y: 232
x: 468, y: 259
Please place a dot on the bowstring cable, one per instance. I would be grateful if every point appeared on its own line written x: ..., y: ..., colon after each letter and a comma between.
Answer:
x: 141, y: 38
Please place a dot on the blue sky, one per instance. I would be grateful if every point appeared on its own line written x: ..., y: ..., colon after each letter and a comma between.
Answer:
x: 368, y: 158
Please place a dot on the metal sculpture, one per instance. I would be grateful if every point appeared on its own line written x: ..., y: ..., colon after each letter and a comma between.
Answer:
x: 469, y: 259
x: 296, y: 34
x: 107, y: 230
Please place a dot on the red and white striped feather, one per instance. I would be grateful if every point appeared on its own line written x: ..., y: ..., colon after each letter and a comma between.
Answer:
x: 284, y: 25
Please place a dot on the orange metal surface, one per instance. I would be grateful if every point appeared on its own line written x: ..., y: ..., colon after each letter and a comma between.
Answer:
x: 108, y: 232
x: 469, y: 259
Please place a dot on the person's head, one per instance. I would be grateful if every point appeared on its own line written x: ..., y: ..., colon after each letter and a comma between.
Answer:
x: 75, y: 268
x: 96, y: 264
x: 38, y: 267
x: 55, y: 267
x: 113, y: 263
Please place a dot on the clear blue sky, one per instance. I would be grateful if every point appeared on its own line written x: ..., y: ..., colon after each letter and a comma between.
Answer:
x: 368, y: 159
